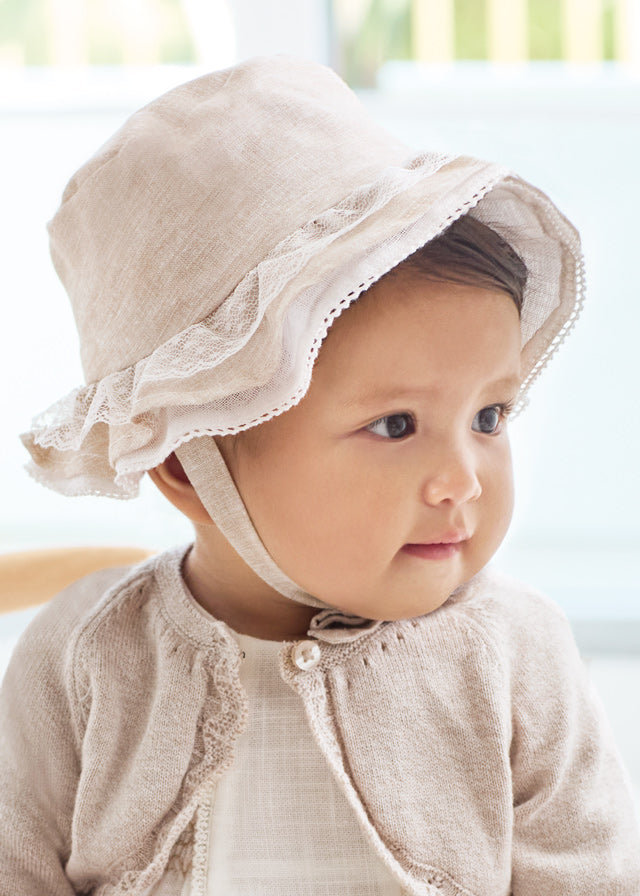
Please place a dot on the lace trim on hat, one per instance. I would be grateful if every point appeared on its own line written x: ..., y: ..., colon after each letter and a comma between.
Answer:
x: 186, y: 370
x: 101, y: 438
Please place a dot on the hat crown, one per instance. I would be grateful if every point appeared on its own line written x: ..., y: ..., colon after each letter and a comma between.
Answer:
x: 195, y: 189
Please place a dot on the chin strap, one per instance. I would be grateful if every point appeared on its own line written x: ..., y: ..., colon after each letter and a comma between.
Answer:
x: 209, y: 475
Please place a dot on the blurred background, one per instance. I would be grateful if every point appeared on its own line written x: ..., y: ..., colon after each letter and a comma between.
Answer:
x: 550, y: 88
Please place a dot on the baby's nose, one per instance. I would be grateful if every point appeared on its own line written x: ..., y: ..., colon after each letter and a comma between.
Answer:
x: 454, y: 478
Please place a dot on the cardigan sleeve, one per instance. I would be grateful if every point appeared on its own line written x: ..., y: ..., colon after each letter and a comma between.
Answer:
x: 575, y: 831
x: 39, y: 758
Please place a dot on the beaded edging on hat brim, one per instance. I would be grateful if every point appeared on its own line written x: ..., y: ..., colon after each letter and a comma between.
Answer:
x: 101, y: 438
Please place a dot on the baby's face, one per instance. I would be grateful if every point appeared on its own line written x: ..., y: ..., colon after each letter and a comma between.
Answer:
x: 390, y: 484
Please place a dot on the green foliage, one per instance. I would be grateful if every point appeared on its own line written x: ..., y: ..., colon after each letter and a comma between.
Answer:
x: 545, y: 29
x: 384, y: 33
x: 177, y: 45
x: 608, y: 29
x: 470, y: 18
x: 23, y: 26
x: 25, y: 32
x: 105, y: 48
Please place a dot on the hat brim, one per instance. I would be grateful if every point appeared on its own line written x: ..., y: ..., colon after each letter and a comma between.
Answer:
x: 101, y: 438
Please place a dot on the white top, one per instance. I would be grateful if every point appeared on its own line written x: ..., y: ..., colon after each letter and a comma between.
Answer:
x: 278, y: 819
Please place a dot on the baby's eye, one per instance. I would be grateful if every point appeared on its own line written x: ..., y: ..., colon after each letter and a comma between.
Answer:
x: 488, y: 420
x: 394, y: 426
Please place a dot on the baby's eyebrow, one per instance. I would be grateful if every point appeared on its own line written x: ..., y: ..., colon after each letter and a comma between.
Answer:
x: 382, y: 396
x: 509, y: 383
x: 364, y: 399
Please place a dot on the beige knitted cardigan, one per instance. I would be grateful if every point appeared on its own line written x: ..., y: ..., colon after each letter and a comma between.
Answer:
x: 468, y: 742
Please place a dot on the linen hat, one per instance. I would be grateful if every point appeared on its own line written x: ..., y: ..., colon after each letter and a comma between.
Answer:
x: 210, y: 243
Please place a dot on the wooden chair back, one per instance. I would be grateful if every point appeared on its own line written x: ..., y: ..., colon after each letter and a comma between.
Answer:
x: 29, y: 578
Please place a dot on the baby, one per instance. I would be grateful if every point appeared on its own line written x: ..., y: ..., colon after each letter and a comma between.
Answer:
x: 312, y: 341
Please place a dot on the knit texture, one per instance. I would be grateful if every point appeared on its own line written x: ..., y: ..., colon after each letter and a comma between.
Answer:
x: 468, y: 742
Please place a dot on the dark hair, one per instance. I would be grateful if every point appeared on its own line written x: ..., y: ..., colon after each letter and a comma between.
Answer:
x: 469, y: 252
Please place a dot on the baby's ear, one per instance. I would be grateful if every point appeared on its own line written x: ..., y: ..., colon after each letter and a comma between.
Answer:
x: 173, y: 482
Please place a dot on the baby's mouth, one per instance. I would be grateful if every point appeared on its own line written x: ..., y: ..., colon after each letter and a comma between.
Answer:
x: 440, y: 548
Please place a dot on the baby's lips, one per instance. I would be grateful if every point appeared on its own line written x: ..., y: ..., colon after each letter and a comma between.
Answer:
x: 451, y: 536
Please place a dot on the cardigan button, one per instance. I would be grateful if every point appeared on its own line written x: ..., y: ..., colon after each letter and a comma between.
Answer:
x: 306, y: 655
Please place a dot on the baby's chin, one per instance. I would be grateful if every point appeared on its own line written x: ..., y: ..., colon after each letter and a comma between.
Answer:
x: 395, y: 612
x: 413, y: 584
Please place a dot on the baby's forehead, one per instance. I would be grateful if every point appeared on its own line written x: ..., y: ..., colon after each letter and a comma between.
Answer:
x: 411, y: 333
x: 468, y: 253
x: 375, y: 311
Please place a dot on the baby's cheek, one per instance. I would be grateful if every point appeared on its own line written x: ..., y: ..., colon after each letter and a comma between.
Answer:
x: 500, y: 498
